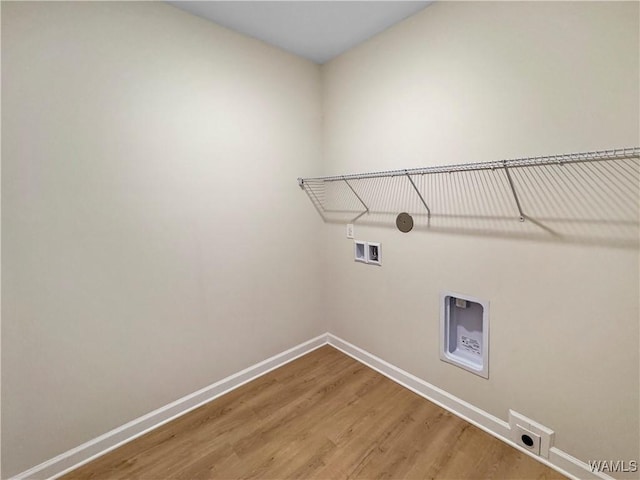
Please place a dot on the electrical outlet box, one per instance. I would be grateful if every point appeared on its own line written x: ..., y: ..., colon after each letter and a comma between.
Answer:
x: 350, y: 230
x: 530, y: 435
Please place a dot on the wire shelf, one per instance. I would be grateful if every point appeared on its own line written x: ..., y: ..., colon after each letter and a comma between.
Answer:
x: 592, y: 196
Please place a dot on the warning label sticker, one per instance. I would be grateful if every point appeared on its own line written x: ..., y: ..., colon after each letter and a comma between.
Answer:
x: 470, y: 344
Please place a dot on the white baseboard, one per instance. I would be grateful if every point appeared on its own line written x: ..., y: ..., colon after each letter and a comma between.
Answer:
x: 74, y: 458
x: 558, y: 459
x: 97, y: 447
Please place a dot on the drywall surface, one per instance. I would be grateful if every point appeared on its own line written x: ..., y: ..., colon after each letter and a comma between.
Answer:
x: 154, y: 238
x: 479, y: 81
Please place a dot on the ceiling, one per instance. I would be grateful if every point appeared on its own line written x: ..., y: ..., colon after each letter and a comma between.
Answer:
x: 317, y: 30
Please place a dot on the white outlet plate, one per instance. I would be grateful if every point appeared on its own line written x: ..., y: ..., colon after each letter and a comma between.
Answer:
x: 350, y: 230
x: 517, y: 422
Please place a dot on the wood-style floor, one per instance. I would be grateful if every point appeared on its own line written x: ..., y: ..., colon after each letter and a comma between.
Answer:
x: 324, y: 416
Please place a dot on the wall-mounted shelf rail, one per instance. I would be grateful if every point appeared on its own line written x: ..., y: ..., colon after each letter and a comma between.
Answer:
x: 548, y: 193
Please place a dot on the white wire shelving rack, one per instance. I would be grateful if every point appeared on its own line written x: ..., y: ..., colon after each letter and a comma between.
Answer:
x: 589, y: 187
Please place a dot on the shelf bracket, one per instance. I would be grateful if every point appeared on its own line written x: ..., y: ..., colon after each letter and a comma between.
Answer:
x: 357, y: 196
x: 419, y: 194
x: 513, y: 191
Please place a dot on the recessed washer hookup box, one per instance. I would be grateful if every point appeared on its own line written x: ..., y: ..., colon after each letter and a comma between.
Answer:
x: 464, y: 332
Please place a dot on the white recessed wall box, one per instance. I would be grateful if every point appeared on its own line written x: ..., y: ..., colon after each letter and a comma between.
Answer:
x: 374, y: 253
x: 367, y: 252
x: 464, y: 332
x: 360, y: 251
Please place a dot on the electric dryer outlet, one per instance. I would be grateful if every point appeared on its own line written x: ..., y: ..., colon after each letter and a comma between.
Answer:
x: 530, y: 435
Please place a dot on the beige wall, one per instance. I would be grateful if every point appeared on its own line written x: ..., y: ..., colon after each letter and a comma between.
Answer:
x: 465, y: 82
x: 154, y: 238
x: 148, y: 196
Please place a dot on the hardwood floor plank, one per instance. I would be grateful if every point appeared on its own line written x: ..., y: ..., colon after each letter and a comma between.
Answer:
x: 322, y: 416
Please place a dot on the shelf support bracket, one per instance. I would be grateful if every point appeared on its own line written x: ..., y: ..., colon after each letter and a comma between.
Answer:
x: 513, y: 191
x: 357, y: 196
x: 419, y: 194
